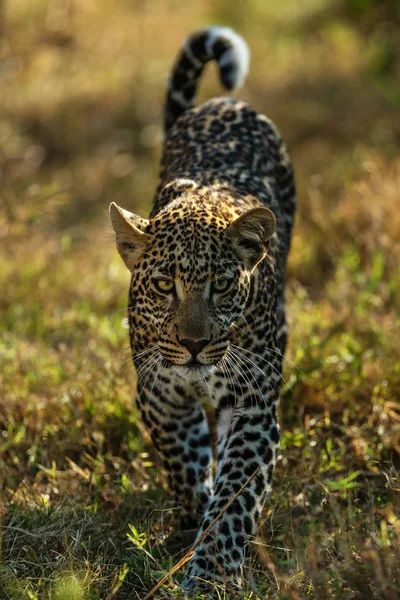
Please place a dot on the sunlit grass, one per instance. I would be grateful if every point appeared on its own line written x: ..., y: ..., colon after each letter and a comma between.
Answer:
x: 83, y: 508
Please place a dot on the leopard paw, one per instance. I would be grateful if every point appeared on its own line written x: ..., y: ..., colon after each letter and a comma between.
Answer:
x: 209, y: 579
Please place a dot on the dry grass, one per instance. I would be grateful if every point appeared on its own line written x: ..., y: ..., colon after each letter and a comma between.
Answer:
x: 83, y: 510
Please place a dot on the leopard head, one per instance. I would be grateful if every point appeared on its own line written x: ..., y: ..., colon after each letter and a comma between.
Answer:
x: 191, y: 269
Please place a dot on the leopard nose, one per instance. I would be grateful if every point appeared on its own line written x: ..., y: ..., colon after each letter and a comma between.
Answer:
x: 194, y: 346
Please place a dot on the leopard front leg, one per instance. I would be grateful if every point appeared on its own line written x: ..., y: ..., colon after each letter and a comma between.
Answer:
x: 248, y: 439
x: 179, y: 430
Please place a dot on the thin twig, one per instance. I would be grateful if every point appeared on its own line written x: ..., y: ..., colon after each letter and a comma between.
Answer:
x: 174, y: 569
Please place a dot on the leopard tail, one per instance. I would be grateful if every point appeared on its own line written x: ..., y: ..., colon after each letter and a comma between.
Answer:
x: 221, y: 44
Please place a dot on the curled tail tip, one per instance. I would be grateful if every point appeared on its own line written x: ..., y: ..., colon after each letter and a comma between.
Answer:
x: 221, y: 44
x: 231, y: 53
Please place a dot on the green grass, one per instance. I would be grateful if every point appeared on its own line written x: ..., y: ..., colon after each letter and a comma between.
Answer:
x: 84, y: 509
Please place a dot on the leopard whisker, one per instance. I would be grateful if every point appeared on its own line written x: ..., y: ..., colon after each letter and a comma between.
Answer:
x: 160, y: 367
x: 149, y: 369
x: 275, y: 387
x: 240, y: 329
x: 231, y: 364
x: 124, y: 365
x: 285, y: 358
x: 248, y: 314
x: 145, y: 364
x: 266, y: 361
x: 244, y: 375
x: 141, y: 354
x: 225, y: 371
x: 247, y: 360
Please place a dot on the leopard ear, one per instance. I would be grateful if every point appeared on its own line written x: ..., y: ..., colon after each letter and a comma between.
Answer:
x: 250, y: 234
x: 129, y: 233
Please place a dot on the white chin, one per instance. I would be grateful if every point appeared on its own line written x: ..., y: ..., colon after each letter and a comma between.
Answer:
x: 194, y: 372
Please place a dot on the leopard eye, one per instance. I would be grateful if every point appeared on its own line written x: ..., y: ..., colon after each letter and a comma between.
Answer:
x: 163, y: 286
x: 221, y: 285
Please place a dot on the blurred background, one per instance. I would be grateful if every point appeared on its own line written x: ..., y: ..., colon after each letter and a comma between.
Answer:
x: 81, y: 108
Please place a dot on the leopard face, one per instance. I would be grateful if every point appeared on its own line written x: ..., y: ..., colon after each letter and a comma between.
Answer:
x: 191, y: 275
x: 192, y: 286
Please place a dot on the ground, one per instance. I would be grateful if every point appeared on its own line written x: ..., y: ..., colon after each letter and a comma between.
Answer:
x: 84, y: 510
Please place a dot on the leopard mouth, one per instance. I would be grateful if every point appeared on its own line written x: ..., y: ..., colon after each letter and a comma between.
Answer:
x: 193, y: 364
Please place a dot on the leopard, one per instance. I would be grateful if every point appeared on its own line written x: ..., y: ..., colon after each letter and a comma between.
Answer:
x: 206, y: 307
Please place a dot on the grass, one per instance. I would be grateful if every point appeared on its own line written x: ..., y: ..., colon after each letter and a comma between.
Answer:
x: 84, y: 510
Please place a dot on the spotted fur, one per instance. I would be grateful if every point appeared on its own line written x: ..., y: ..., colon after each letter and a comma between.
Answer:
x: 206, y: 305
